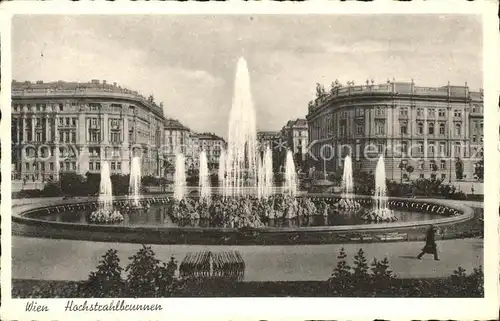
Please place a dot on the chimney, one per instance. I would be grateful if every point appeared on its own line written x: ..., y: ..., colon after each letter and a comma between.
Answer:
x: 104, y: 82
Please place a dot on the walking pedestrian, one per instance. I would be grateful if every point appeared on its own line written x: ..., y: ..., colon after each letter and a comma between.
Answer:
x: 430, y: 243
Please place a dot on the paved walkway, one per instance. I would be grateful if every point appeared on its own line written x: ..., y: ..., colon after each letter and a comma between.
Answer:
x: 34, y: 258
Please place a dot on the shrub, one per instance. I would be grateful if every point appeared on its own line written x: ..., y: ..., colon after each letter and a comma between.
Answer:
x: 51, y: 189
x: 341, y: 280
x: 107, y: 280
x: 148, y: 277
x: 71, y: 183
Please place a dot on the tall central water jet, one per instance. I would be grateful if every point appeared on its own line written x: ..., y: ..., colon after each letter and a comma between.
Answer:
x: 180, y: 177
x: 241, y: 161
x: 380, y: 212
x: 290, y: 175
x: 204, y: 177
x: 135, y: 180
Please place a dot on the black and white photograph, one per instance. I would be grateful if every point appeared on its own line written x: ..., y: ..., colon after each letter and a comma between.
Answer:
x: 201, y: 155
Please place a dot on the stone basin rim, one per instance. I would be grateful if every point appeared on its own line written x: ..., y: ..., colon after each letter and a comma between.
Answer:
x: 19, y: 212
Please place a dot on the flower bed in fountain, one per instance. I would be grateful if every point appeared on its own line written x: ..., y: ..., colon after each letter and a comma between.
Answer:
x: 103, y: 216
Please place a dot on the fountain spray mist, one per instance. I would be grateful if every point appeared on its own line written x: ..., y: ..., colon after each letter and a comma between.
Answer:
x: 105, y: 189
x: 380, y: 186
x: 135, y: 180
x: 222, y: 172
x: 268, y: 172
x: 204, y: 177
x: 180, y: 177
x: 347, y: 181
x: 241, y: 161
x: 290, y: 175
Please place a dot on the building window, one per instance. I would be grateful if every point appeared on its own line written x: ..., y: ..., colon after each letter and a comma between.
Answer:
x: 118, y: 166
x: 443, y: 176
x: 474, y: 138
x: 443, y: 164
x: 419, y: 112
x: 361, y: 112
x: 404, y: 129
x: 431, y: 148
x: 73, y: 137
x: 91, y: 166
x: 380, y: 148
x: 458, y: 129
x: 432, y: 113
x: 403, y: 111
x: 97, y: 166
x: 93, y: 122
x: 38, y: 137
x: 94, y: 137
x: 420, y: 128
x: 420, y: 145
x: 441, y: 129
x: 27, y: 166
x: 51, y: 166
x: 73, y: 165
x: 61, y: 121
x: 442, y: 113
x: 380, y: 128
x: 457, y: 113
x: 113, y: 166
x: 73, y: 121
x: 422, y: 175
x: 359, y: 129
x: 442, y: 148
x: 431, y: 128
x: 458, y: 149
x: 404, y: 147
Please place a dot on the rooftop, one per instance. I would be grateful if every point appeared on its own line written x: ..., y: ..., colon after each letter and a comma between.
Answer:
x: 170, y: 123
x: 70, y: 87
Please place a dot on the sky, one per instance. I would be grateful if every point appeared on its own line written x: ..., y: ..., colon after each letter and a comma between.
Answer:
x: 188, y: 62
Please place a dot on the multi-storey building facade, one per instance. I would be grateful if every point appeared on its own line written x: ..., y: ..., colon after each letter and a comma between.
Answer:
x: 267, y: 138
x: 177, y: 139
x: 74, y: 127
x: 295, y: 133
x: 212, y: 144
x: 435, y: 131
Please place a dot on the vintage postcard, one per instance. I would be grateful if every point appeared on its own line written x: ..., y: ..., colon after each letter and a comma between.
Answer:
x: 249, y: 160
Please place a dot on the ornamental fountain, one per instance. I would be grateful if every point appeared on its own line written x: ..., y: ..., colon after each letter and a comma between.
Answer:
x: 347, y: 201
x: 135, y: 182
x: 241, y: 157
x: 204, y: 178
x: 380, y: 211
x: 105, y: 212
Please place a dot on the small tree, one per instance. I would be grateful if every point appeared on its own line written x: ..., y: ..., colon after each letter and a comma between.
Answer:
x: 382, y: 276
x: 107, y: 281
x: 143, y: 273
x: 167, y: 282
x: 341, y: 281
x: 360, y: 266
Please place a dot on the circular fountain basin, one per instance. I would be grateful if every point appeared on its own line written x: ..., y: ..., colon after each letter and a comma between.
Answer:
x: 69, y: 219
